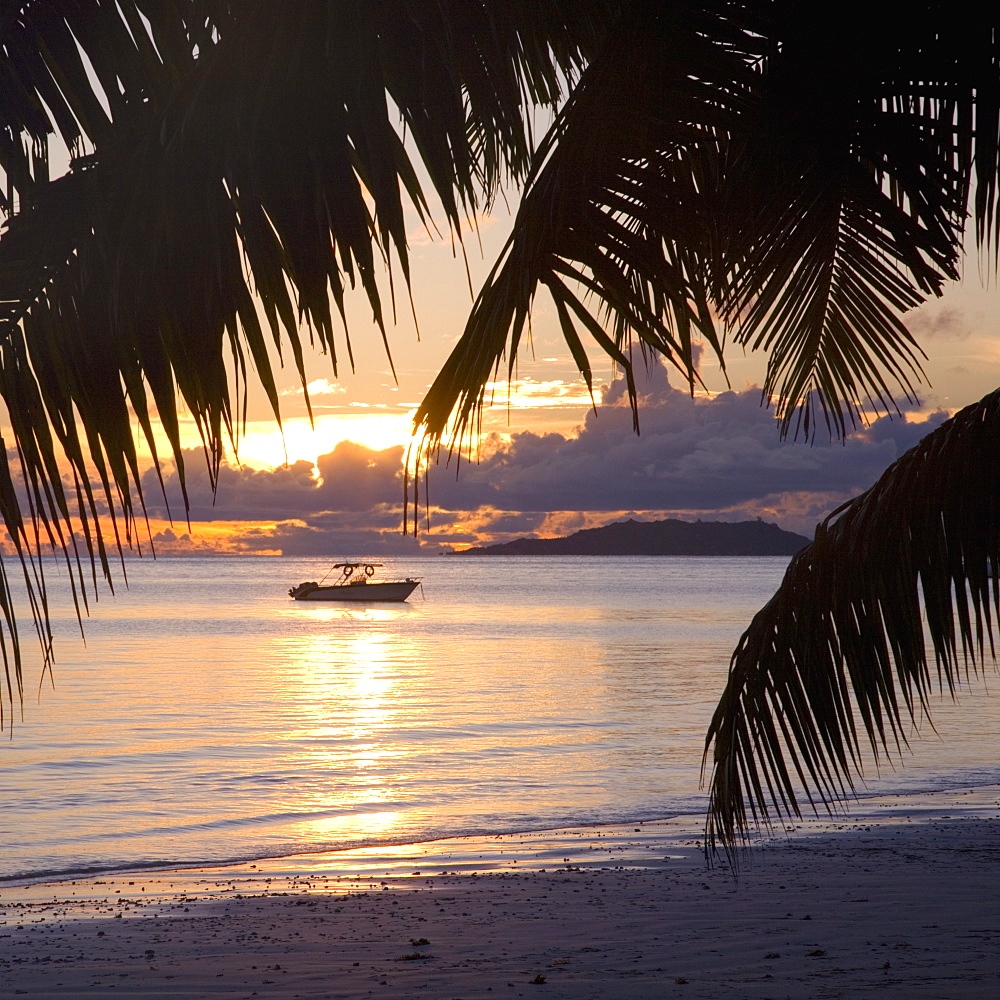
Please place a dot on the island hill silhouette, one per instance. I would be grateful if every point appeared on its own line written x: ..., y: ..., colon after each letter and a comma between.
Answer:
x: 658, y: 538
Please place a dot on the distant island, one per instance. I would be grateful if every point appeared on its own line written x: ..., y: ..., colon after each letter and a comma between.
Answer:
x: 658, y: 538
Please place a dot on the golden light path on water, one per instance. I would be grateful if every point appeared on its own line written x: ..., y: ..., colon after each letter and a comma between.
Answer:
x: 364, y: 687
x: 389, y: 695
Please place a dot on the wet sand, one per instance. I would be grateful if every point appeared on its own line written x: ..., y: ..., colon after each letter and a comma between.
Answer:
x: 899, y: 899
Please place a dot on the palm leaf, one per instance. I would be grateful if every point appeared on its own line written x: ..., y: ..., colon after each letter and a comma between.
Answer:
x: 616, y: 209
x: 837, y: 663
x: 834, y: 232
x: 803, y: 182
x: 222, y: 154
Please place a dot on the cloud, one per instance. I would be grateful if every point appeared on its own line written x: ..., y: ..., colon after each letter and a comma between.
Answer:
x: 318, y: 387
x: 350, y: 478
x: 718, y: 458
x: 349, y: 503
x: 243, y: 493
x: 691, y: 454
x: 945, y: 323
x: 528, y: 393
x: 327, y: 537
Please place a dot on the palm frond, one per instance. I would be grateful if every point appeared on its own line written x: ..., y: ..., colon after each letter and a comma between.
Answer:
x: 617, y: 208
x: 851, y: 179
x: 789, y: 178
x: 222, y: 155
x: 836, y: 664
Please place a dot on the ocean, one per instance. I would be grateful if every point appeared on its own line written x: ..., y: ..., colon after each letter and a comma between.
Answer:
x: 209, y: 719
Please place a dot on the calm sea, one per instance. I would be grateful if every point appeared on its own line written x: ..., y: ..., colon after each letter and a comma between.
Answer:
x: 208, y: 718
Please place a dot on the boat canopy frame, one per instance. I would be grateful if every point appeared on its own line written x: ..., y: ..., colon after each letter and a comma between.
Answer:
x: 347, y: 569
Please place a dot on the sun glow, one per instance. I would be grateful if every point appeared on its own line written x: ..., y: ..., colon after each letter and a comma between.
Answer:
x: 264, y: 445
x: 529, y: 393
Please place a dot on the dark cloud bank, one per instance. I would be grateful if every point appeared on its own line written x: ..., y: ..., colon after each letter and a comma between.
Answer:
x: 711, y: 458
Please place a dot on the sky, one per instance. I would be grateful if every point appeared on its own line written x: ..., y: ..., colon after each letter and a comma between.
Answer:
x: 551, y: 460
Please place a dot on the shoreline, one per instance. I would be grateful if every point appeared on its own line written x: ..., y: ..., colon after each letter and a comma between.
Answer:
x: 638, y: 843
x: 897, y: 897
x: 481, y: 852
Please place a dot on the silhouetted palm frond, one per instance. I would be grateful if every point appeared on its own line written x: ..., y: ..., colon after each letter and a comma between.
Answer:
x: 619, y: 207
x: 846, y: 196
x: 799, y: 180
x: 836, y: 664
x: 224, y: 158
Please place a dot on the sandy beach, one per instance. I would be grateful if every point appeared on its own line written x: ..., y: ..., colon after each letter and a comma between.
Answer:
x: 899, y: 899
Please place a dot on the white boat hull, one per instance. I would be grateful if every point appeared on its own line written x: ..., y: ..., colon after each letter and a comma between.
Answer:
x: 395, y: 590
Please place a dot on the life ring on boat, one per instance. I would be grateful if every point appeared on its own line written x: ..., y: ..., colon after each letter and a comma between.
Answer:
x: 369, y: 571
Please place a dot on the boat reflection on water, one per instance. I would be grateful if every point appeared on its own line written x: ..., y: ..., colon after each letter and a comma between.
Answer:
x: 355, y: 584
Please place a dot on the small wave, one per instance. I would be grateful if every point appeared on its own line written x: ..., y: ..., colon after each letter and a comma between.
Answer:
x: 231, y: 823
x: 487, y: 827
x: 493, y: 826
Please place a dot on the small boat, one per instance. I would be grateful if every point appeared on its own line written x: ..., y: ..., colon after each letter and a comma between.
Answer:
x: 355, y: 584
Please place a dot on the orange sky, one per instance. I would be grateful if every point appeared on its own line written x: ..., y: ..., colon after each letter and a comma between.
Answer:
x: 959, y: 333
x: 369, y: 407
x: 372, y: 408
